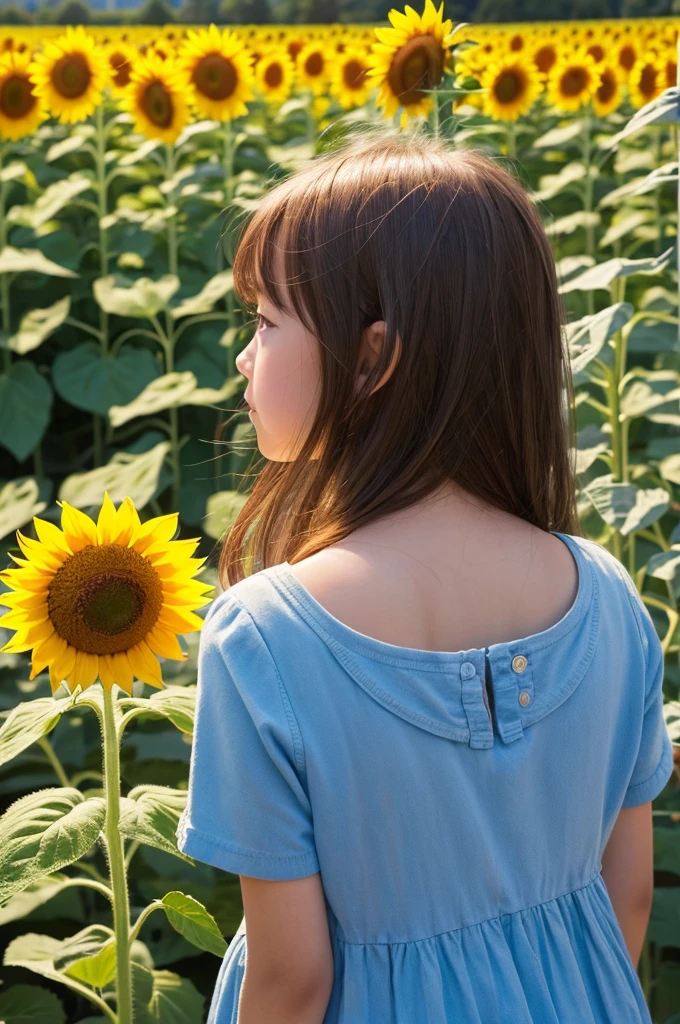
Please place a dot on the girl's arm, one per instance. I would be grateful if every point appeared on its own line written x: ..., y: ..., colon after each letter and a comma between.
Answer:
x: 289, y: 959
x: 628, y: 872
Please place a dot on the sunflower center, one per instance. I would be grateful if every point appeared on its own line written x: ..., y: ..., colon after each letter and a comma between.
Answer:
x: 105, y: 599
x: 273, y: 75
x: 574, y: 81
x: 416, y: 65
x: 121, y: 69
x: 671, y: 73
x: 648, y: 81
x: 545, y: 57
x: 354, y: 74
x: 314, y: 64
x: 215, y: 76
x: 627, y: 57
x: 71, y: 75
x: 596, y: 51
x: 607, y: 86
x: 508, y: 86
x: 16, y: 97
x: 157, y: 104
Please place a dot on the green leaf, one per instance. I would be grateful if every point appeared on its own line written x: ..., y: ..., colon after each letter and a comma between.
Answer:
x: 571, y: 266
x: 18, y: 503
x: 89, y: 956
x: 150, y: 814
x: 126, y: 474
x: 591, y: 443
x: 55, y: 197
x: 622, y: 226
x: 640, y: 186
x: 37, y: 325
x: 27, y: 722
x: 139, y: 153
x: 13, y: 171
x: 174, y: 1000
x: 588, y: 336
x: 17, y: 261
x: 144, y: 297
x: 670, y: 468
x: 43, y: 832
x: 602, y: 275
x: 662, y: 110
x: 176, y: 703
x: 664, y: 565
x: 86, y: 380
x: 572, y: 222
x: 552, y: 184
x: 643, y: 396
x: 556, y: 138
x: 166, y: 392
x: 625, y: 506
x: 216, y: 288
x: 652, y: 335
x: 192, y: 920
x: 34, y: 895
x: 25, y: 407
x: 29, y: 1004
x: 222, y: 510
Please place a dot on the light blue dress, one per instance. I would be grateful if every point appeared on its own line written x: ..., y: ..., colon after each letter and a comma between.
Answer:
x: 460, y: 854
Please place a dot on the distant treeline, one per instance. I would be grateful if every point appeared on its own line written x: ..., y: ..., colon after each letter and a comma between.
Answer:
x: 244, y: 12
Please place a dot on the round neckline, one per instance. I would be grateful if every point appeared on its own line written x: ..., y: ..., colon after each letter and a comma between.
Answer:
x: 351, y: 639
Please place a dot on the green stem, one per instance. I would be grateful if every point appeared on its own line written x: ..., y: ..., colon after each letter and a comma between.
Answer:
x: 48, y: 749
x: 588, y: 200
x: 434, y: 114
x: 645, y: 970
x: 511, y: 140
x: 169, y: 335
x: 142, y: 918
x: 4, y: 279
x: 100, y: 169
x: 121, y: 907
x: 88, y: 883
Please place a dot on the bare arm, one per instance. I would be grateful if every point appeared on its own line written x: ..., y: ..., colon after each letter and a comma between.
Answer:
x: 628, y: 872
x: 289, y: 958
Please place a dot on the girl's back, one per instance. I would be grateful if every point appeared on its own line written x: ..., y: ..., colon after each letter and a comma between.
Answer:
x: 431, y: 698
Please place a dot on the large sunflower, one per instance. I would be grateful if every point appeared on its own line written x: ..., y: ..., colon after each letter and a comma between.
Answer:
x: 514, y: 85
x: 21, y: 110
x: 573, y: 81
x: 100, y: 600
x: 216, y: 68
x: 312, y: 63
x: 409, y: 58
x: 156, y: 99
x: 608, y: 95
x: 275, y: 74
x: 349, y: 82
x: 647, y: 80
x: 121, y: 58
x: 70, y: 75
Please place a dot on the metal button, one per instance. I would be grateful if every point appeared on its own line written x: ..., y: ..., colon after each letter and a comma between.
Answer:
x: 467, y: 670
x: 524, y: 698
x: 519, y: 663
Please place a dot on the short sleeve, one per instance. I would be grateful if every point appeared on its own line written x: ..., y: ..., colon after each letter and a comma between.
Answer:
x: 247, y: 810
x: 654, y: 763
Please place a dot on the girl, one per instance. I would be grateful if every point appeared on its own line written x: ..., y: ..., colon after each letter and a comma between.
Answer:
x: 429, y: 721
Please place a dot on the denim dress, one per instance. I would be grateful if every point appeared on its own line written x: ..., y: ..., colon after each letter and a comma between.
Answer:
x: 457, y: 804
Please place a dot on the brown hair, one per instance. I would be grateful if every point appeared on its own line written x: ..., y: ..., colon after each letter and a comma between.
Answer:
x: 446, y: 247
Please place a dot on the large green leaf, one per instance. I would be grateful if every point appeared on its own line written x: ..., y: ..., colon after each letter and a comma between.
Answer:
x: 662, y: 110
x: 669, y: 467
x: 558, y: 137
x: 89, y: 956
x: 640, y: 398
x: 174, y: 1000
x: 664, y: 565
x: 571, y: 222
x: 640, y: 186
x: 43, y: 832
x: 34, y: 895
x: 18, y: 503
x: 591, y: 443
x: 588, y: 336
x: 29, y: 1004
x: 25, y: 407
x: 166, y: 392
x: 16, y: 261
x: 602, y: 275
x: 552, y: 184
x: 625, y: 506
x: 89, y: 381
x: 143, y: 297
x: 222, y: 510
x: 55, y: 197
x: 216, y: 288
x: 37, y: 325
x: 27, y: 722
x: 150, y: 814
x: 126, y: 474
x: 623, y: 224
x: 192, y: 920
x: 653, y: 336
x: 176, y: 703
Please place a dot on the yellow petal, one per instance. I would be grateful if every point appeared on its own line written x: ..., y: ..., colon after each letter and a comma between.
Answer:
x: 24, y: 599
x: 52, y: 537
x: 65, y: 661
x: 123, y: 671
x: 144, y: 665
x: 106, y: 521
x: 127, y: 521
x: 79, y: 529
x: 50, y: 647
x: 161, y: 528
x: 86, y: 668
x: 107, y: 672
x: 165, y: 644
x: 37, y: 554
x: 168, y: 551
x: 17, y: 618
x: 179, y: 621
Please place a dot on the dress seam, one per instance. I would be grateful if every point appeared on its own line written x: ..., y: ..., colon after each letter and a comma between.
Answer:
x: 188, y: 830
x: 475, y: 924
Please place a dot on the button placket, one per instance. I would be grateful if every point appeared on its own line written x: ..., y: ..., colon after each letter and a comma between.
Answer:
x: 481, y: 730
x: 513, y: 688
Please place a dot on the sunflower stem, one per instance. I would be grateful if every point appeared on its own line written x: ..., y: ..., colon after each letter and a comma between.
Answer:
x: 511, y: 140
x: 434, y: 114
x: 588, y: 200
x: 118, y: 876
x: 4, y: 279
x: 100, y: 169
x: 169, y: 344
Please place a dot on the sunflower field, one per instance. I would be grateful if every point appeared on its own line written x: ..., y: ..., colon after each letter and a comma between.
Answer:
x: 129, y: 161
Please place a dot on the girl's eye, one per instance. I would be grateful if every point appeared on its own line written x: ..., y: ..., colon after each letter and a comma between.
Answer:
x: 263, y: 322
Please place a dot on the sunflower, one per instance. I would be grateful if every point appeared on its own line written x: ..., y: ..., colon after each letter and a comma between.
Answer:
x: 670, y: 66
x: 349, y: 83
x: 312, y: 66
x: 156, y: 99
x: 573, y: 81
x: 70, y: 75
x: 544, y: 54
x: 608, y: 95
x: 647, y: 80
x: 101, y: 599
x: 21, y: 111
x: 274, y: 75
x: 627, y: 54
x: 409, y: 58
x: 216, y: 68
x: 121, y: 58
x: 514, y: 85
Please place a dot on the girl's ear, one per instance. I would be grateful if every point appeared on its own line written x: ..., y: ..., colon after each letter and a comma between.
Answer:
x: 372, y: 342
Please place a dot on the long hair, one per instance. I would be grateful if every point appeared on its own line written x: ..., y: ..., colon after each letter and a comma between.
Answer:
x: 446, y: 247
